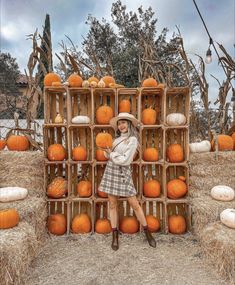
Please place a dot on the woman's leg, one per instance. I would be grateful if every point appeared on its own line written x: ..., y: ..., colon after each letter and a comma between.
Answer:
x: 138, y: 210
x: 113, y: 210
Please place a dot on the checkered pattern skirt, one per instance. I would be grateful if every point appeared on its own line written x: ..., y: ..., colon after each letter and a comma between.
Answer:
x: 117, y: 180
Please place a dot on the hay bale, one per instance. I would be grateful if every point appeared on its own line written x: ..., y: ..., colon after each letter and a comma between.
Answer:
x: 209, y: 158
x: 218, y: 244
x: 18, y: 247
x: 23, y: 169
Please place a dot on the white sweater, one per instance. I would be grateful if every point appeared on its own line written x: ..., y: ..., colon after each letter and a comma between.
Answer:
x: 124, y: 152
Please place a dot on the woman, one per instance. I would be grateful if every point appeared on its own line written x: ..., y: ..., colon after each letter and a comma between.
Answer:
x: 117, y: 179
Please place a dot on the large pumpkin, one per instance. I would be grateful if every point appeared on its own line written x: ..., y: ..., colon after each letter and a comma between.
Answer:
x: 124, y: 106
x: 176, y: 224
x: 57, y: 224
x: 84, y: 188
x: 150, y: 154
x: 225, y: 142
x: 19, y: 143
x: 99, y: 155
x: 2, y: 144
x: 50, y: 78
x: 56, y: 152
x: 129, y: 225
x: 149, y: 82
x: 176, y: 119
x: 103, y: 226
x: 222, y: 193
x: 75, y: 80
x: 9, y: 218
x: 152, y: 188
x: 79, y: 153
x: 104, y: 114
x: 107, y: 80
x: 81, y: 224
x: 176, y: 188
x: 153, y: 223
x: 104, y: 140
x: 175, y: 153
x: 203, y: 146
x: 57, y: 188
x: 149, y: 116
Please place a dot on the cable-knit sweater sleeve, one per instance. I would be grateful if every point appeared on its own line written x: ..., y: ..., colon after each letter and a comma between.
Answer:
x: 127, y: 157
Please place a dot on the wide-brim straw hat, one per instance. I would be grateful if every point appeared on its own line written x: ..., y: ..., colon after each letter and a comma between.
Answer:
x: 124, y: 116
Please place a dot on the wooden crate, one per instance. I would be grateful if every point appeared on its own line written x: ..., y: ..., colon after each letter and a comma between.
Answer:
x: 152, y: 171
x: 131, y: 94
x: 55, y: 102
x: 78, y: 172
x: 59, y: 207
x: 83, y: 136
x: 157, y: 209
x: 79, y: 103
x: 152, y: 97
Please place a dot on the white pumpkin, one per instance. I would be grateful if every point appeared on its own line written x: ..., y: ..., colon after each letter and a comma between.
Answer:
x: 222, y: 193
x: 8, y: 194
x: 203, y: 146
x: 176, y: 119
x: 85, y: 84
x: 101, y: 84
x: 227, y: 217
x: 81, y: 120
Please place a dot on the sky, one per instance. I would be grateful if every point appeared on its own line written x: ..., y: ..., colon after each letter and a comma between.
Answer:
x: 19, y: 18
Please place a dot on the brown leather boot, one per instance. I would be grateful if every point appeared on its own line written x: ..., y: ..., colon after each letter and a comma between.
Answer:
x: 115, y: 245
x: 149, y: 237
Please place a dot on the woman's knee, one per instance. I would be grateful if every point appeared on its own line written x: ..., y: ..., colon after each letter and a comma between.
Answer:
x: 113, y: 203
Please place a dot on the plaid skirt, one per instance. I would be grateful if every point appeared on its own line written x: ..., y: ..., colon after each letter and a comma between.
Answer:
x: 117, y: 180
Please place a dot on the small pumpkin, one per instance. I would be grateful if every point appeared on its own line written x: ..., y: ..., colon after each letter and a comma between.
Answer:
x: 176, y: 119
x: 101, y: 84
x: 150, y: 154
x: 85, y: 84
x: 18, y: 143
x: 93, y: 79
x: 57, y: 224
x: 176, y: 188
x: 177, y: 224
x: 79, y: 153
x: 107, y: 80
x: 153, y: 223
x: 129, y: 225
x: 175, y: 153
x: 50, y: 78
x: 225, y: 142
x: 2, y: 144
x: 161, y: 85
x: 59, y: 119
x: 124, y: 106
x: 102, y: 194
x: 149, y: 82
x: 103, y: 226
x: 8, y: 194
x: 152, y: 188
x: 104, y: 114
x: 84, y: 188
x: 81, y: 224
x: 57, y: 188
x: 104, y: 140
x: 80, y: 120
x: 75, y: 80
x: 93, y: 84
x: 203, y: 146
x: 227, y: 217
x: 9, y: 218
x: 149, y: 116
x: 100, y: 155
x: 222, y: 193
x: 56, y: 152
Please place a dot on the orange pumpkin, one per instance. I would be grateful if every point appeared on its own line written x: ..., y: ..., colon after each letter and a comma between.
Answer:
x: 153, y: 223
x: 100, y: 155
x: 177, y: 224
x: 19, y: 143
x: 84, y: 188
x: 129, y: 225
x: 56, y: 152
x: 104, y: 114
x: 124, y: 106
x: 93, y: 78
x: 233, y: 137
x: 57, y: 188
x: 57, y: 224
x: 56, y: 84
x: 79, y: 153
x: 81, y: 224
x: 176, y: 188
x: 103, y: 226
x: 149, y: 82
x: 152, y: 188
x: 149, y: 116
x: 75, y: 80
x: 9, y: 218
x: 50, y: 78
x: 225, y: 142
x: 175, y: 153
x: 2, y: 144
x: 150, y: 154
x: 107, y: 80
x: 104, y: 140
x: 102, y: 194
